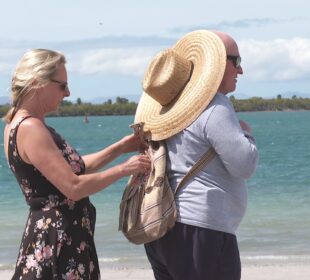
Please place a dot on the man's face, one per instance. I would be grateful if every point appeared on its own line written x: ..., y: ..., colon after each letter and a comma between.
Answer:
x: 229, y: 81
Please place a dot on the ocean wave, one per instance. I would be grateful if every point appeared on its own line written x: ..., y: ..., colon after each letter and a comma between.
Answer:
x: 109, y: 260
x: 278, y: 257
x: 7, y: 266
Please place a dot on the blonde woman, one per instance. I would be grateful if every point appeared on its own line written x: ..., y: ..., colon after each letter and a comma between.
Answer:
x: 58, y: 241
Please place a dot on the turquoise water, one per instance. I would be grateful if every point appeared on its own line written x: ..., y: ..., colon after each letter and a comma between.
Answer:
x: 276, y: 227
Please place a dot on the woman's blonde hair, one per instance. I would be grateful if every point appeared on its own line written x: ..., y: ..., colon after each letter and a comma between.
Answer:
x: 37, y: 65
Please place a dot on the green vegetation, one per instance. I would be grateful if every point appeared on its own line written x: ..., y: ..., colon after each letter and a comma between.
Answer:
x: 122, y: 106
x: 275, y: 104
x: 67, y: 108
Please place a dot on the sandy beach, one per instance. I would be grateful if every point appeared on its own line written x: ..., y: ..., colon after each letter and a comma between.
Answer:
x: 280, y: 272
x: 251, y: 272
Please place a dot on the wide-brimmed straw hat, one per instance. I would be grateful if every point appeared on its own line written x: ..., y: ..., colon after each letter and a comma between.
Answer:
x: 179, y: 84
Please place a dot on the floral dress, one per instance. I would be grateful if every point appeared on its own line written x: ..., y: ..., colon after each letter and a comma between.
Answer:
x: 58, y: 241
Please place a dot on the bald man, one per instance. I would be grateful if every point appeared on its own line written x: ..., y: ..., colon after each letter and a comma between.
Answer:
x: 203, y: 244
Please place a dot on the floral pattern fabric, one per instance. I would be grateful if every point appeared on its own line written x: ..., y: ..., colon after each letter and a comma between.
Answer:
x: 58, y: 241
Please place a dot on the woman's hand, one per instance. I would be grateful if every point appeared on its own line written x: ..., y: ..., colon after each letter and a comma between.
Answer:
x: 130, y: 143
x: 136, y: 164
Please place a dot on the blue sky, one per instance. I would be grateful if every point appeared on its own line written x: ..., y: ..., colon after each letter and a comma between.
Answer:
x: 108, y: 44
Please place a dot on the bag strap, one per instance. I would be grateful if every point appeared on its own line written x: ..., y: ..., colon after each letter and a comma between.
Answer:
x: 203, y: 161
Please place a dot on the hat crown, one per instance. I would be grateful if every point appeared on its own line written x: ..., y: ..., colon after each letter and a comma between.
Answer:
x: 174, y: 99
x: 166, y: 76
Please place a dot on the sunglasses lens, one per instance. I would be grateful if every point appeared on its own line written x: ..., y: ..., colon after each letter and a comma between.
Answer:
x: 238, y: 61
x: 63, y: 87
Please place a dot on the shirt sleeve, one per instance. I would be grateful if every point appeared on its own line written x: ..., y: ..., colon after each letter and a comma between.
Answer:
x: 236, y: 148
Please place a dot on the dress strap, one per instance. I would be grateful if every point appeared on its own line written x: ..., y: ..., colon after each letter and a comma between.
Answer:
x: 13, y: 131
x: 22, y: 119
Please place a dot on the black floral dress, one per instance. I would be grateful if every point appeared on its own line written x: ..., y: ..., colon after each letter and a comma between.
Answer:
x: 58, y: 241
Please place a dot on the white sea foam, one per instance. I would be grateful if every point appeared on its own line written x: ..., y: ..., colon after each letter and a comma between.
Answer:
x: 268, y: 257
x: 6, y: 266
x: 109, y: 260
x: 280, y: 258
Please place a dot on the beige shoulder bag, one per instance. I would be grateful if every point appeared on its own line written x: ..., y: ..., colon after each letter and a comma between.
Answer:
x: 147, y: 209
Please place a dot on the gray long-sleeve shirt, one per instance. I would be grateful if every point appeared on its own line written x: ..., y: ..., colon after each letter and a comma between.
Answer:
x: 216, y: 198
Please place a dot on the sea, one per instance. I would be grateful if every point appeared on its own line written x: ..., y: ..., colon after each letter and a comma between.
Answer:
x: 275, y: 229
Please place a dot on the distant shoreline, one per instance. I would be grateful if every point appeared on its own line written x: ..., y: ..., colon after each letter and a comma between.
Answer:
x: 124, y: 107
x: 266, y: 111
x: 55, y: 115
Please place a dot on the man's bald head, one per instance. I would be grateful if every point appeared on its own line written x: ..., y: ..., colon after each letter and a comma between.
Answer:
x: 229, y: 43
x: 229, y: 81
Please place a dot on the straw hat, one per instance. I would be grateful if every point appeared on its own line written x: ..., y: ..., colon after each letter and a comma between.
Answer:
x: 180, y: 83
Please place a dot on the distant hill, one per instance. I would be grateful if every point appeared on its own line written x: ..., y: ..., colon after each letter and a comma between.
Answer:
x: 290, y: 94
x: 239, y: 95
x: 286, y: 94
x: 136, y: 98
x: 100, y: 100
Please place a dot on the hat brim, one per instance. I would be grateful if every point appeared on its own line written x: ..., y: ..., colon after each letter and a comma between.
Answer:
x: 207, y: 53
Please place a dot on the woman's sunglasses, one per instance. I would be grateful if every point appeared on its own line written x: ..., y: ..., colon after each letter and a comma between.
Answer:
x: 236, y: 60
x: 63, y: 85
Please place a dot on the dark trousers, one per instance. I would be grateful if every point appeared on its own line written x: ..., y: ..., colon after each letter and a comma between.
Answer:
x: 193, y: 253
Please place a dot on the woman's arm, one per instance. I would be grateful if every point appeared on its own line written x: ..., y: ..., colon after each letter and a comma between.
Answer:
x: 37, y: 147
x: 95, y: 161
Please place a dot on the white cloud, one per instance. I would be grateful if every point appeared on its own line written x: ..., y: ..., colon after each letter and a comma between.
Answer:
x: 276, y: 60
x: 270, y: 60
x: 236, y: 24
x: 123, y: 61
x: 273, y: 60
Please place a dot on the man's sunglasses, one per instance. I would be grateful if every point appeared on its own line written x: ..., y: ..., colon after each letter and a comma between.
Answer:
x: 63, y: 85
x: 236, y: 60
